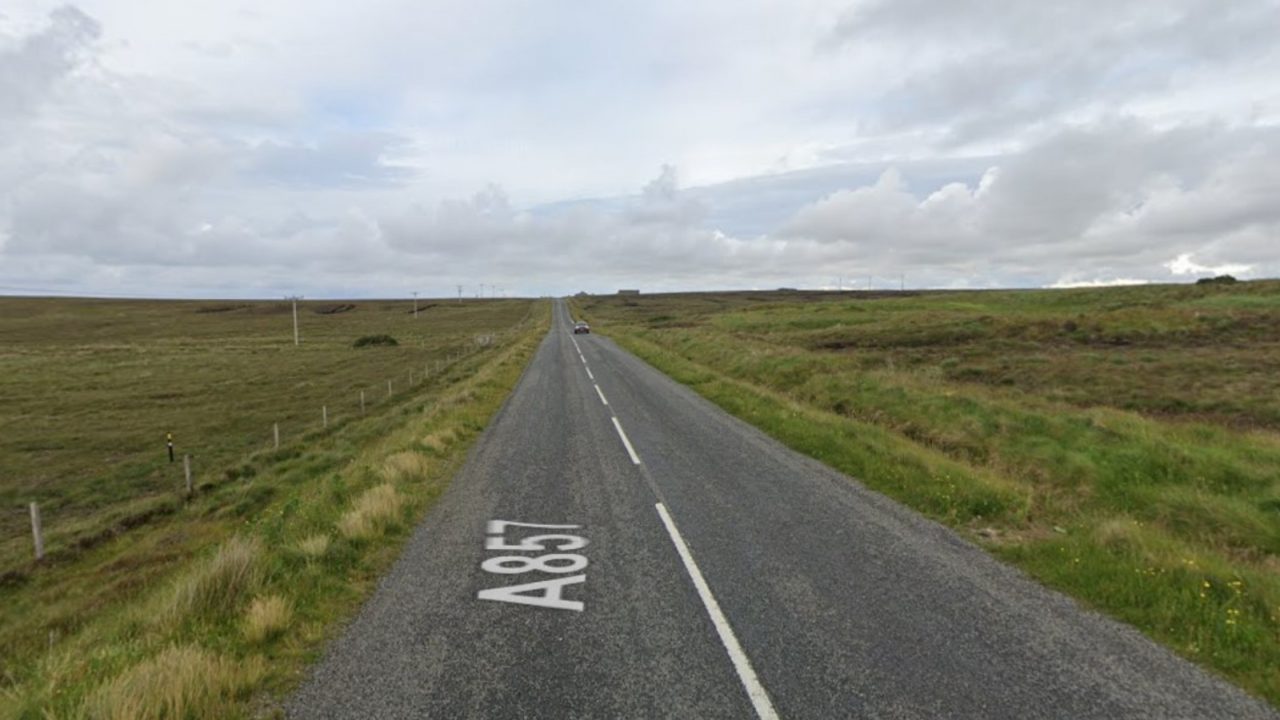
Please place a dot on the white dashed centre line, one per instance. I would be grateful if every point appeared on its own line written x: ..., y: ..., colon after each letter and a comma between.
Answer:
x: 741, y: 663
x: 593, y: 377
x: 601, y: 394
x: 630, y: 450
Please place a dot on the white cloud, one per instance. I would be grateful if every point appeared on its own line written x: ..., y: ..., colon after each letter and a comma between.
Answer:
x: 1116, y: 199
x: 1184, y: 265
x: 1097, y: 282
x: 211, y: 148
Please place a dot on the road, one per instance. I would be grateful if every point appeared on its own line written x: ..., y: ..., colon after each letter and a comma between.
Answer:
x: 702, y: 570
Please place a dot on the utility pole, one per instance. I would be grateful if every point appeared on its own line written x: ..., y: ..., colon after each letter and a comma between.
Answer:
x: 415, y: 303
x: 902, y: 285
x: 459, y: 293
x: 294, y: 299
x: 481, y: 295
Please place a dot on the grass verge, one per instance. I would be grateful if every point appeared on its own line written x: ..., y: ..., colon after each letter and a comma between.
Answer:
x: 282, y: 558
x: 1172, y: 525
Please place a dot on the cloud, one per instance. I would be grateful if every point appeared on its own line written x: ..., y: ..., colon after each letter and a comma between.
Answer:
x: 984, y: 68
x: 661, y: 203
x: 972, y: 144
x: 1095, y: 283
x: 1112, y: 199
x: 1184, y: 265
x: 34, y: 65
x: 346, y: 159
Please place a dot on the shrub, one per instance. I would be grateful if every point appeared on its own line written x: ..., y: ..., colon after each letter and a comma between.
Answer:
x: 370, y: 340
x: 1219, y: 280
x: 180, y: 682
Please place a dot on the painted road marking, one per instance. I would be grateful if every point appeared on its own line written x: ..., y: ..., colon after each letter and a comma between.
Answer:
x: 593, y: 377
x: 601, y: 394
x: 541, y: 593
x: 759, y: 698
x: 630, y: 450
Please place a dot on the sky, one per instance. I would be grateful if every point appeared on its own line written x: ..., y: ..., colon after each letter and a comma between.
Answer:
x: 381, y: 148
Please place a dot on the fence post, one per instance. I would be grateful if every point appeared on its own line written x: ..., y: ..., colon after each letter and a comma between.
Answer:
x: 388, y: 388
x: 37, y: 531
x: 275, y: 430
x: 186, y: 471
x: 361, y: 402
x: 411, y: 377
x: 324, y: 416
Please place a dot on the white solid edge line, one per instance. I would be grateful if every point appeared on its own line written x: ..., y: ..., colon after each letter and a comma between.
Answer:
x: 759, y: 698
x: 601, y: 394
x: 630, y: 450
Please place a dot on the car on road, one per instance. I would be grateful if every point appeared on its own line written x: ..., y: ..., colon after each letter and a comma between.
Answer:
x: 581, y: 329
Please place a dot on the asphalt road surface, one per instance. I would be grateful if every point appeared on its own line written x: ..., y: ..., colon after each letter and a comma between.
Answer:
x: 693, y: 568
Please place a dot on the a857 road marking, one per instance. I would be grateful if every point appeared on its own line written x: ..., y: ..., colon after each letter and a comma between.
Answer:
x: 741, y: 663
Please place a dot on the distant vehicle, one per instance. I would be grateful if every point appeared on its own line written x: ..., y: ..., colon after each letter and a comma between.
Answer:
x: 581, y: 329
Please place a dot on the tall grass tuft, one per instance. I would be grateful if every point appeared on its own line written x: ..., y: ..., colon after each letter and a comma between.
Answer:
x: 405, y: 466
x: 372, y: 512
x: 219, y: 583
x: 180, y: 682
x: 439, y: 440
x: 315, y: 546
x: 266, y: 618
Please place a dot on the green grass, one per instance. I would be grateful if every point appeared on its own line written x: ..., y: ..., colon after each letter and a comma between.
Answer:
x: 1121, y: 445
x: 91, y: 387
x: 215, y: 606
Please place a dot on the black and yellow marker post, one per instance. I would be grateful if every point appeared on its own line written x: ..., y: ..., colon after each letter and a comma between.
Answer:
x: 168, y: 438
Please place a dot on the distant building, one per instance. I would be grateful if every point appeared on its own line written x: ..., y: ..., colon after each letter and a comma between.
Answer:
x: 628, y: 292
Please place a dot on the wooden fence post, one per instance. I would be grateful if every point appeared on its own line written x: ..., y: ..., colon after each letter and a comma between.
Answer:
x: 275, y: 430
x: 324, y: 416
x: 388, y: 388
x: 361, y: 402
x: 37, y: 531
x: 186, y: 471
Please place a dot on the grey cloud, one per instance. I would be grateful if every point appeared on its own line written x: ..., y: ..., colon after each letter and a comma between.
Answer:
x: 33, y: 66
x: 1117, y: 198
x: 653, y: 233
x: 661, y: 202
x: 120, y: 179
x: 999, y: 65
x: 478, y: 224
